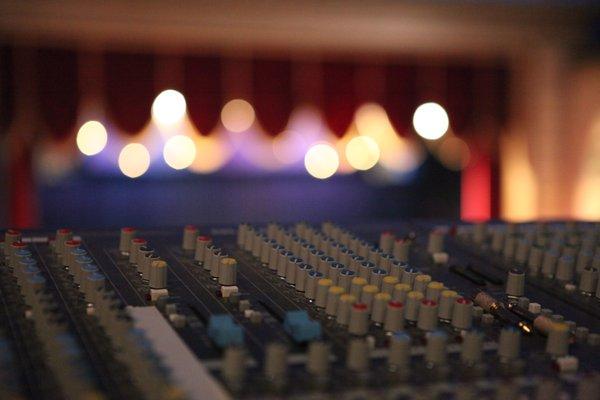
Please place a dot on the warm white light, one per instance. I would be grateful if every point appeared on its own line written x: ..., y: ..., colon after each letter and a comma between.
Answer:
x: 168, y: 108
x: 431, y: 121
x: 289, y: 147
x: 211, y: 154
x: 454, y: 153
x: 91, y: 138
x: 372, y: 120
x: 362, y: 153
x: 179, y: 152
x: 321, y: 161
x: 134, y: 160
x: 237, y: 115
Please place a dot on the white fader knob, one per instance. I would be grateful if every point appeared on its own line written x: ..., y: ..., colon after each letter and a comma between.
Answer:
x: 190, y: 233
x: 158, y: 274
x: 228, y: 271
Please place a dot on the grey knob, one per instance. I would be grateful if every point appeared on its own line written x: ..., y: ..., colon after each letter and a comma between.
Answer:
x: 358, y: 355
x: 515, y: 283
x: 400, y: 292
x: 534, y: 262
x: 344, y: 307
x: 208, y: 257
x: 447, y: 299
x: 433, y: 290
x: 228, y: 271
x: 386, y: 241
x: 282, y: 262
x: 421, y: 282
x: 462, y: 313
x: 273, y: 256
x: 565, y: 268
x: 356, y: 286
x: 135, y: 245
x: 409, y: 275
x: 435, y: 243
x: 402, y: 250
x: 324, y: 264
x: 158, y: 275
x: 368, y: 294
x: 588, y: 280
x: 509, y: 344
x: 399, y: 353
x: 435, y: 350
x: 301, y: 274
x: 190, y: 233
x: 127, y: 235
x: 388, y: 283
x: 310, y: 289
x: 428, y: 315
x: 380, y: 303
x: 215, y: 263
x: 345, y: 278
x: 472, y: 347
x: 202, y: 243
x: 290, y: 269
x: 276, y: 362
x: 318, y: 359
x: 364, y: 270
x: 241, y: 234
x: 333, y: 298
x: 233, y: 367
x: 92, y: 285
x: 359, y: 319
x: 557, y: 343
x: 146, y: 262
x: 413, y: 303
x: 323, y: 286
x: 63, y: 235
x: 394, y: 316
x: 397, y: 269
x: 549, y: 263
x: 376, y: 277
x: 142, y: 254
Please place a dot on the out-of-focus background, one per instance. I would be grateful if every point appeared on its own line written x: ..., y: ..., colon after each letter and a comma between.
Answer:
x: 160, y: 113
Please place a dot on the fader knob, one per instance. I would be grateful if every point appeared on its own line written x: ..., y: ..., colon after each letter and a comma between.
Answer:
x: 135, y: 245
x: 394, y: 316
x: 290, y: 269
x: 357, y: 285
x: 158, y: 275
x: 447, y: 300
x: 509, y: 344
x: 68, y: 248
x: 388, y: 283
x: 399, y: 354
x: 380, y: 303
x: 333, y: 298
x: 190, y: 233
x: 421, y: 282
x: 386, y: 241
x: 376, y: 277
x: 364, y: 270
x: 233, y: 367
x: 334, y: 271
x: 515, y: 283
x: 549, y: 263
x: 301, y: 274
x: 357, y: 357
x: 557, y: 343
x: 92, y: 285
x: 359, y: 319
x: 534, y: 262
x: 345, y: 278
x: 413, y: 302
x: 318, y: 359
x: 402, y: 250
x: 472, y: 347
x: 400, y: 292
x: 565, y: 268
x: 435, y: 350
x: 433, y: 290
x: 409, y: 275
x: 588, y: 280
x: 310, y: 289
x: 62, y: 235
x: 397, y: 269
x: 11, y: 236
x: 345, y: 304
x: 228, y: 271
x: 202, y: 243
x: 276, y: 362
x: 428, y: 315
x: 462, y: 314
x: 323, y: 286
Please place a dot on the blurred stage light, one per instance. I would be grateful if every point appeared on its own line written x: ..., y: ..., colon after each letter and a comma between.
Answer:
x: 371, y: 120
x: 237, y: 115
x: 321, y: 161
x: 179, y: 152
x: 454, y: 153
x: 92, y: 138
x: 289, y: 147
x: 134, y: 160
x: 362, y: 153
x: 212, y: 152
x: 401, y: 156
x: 168, y: 108
x: 430, y: 121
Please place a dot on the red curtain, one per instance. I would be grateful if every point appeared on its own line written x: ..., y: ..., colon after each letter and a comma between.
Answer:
x: 272, y: 93
x: 203, y: 90
x: 129, y: 89
x: 460, y: 98
x: 401, y: 97
x: 58, y: 90
x: 339, y: 98
x: 7, y: 106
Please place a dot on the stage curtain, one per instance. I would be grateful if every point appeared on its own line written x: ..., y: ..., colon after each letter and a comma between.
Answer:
x: 272, y: 93
x: 339, y: 97
x: 203, y: 90
x: 401, y: 98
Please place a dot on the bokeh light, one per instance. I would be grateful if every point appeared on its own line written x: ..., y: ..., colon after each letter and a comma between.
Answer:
x: 134, y: 160
x: 401, y: 156
x: 237, y: 115
x: 289, y: 147
x: 321, y: 160
x: 92, y: 138
x: 430, y: 121
x: 362, y: 153
x: 212, y: 153
x: 168, y: 108
x: 179, y: 152
x: 454, y: 153
x: 371, y: 120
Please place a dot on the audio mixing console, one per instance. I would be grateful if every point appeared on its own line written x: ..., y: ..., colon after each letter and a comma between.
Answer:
x: 406, y: 310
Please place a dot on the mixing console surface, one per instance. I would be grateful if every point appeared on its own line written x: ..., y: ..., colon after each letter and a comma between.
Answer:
x: 413, y: 310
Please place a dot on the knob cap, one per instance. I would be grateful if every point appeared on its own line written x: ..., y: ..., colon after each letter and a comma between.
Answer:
x: 233, y: 368
x: 565, y: 268
x: 588, y: 280
x: 402, y: 250
x: 462, y: 314
x: 394, y: 316
x: 472, y: 347
x: 399, y: 354
x: 380, y: 303
x: 333, y: 298
x: 421, y: 282
x: 310, y: 290
x: 190, y: 233
x: 301, y: 274
x: 549, y: 263
x: 276, y: 362
x: 345, y: 278
x: 388, y: 283
x: 447, y: 300
x: 318, y: 359
x: 557, y: 343
x: 433, y: 290
x: 322, y: 288
x: 435, y: 350
x: 509, y: 344
x: 386, y: 241
x: 228, y: 271
x: 202, y: 243
x: 127, y: 235
x: 359, y: 319
x: 515, y: 283
x: 357, y: 357
x: 158, y: 275
x: 428, y: 315
x: 345, y: 304
x: 413, y: 302
x: 400, y: 292
x: 357, y: 285
x: 367, y: 296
